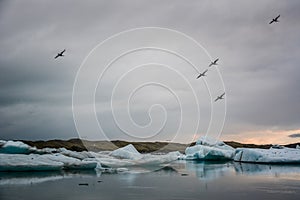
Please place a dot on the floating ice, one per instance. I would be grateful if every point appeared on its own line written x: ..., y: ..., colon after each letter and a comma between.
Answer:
x: 209, y: 149
x: 272, y: 155
x: 12, y: 147
x: 79, y: 155
x: 46, y: 162
x: 127, y: 152
x: 129, y: 156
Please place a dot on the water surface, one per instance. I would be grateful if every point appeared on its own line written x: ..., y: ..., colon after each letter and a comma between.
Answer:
x: 181, y: 180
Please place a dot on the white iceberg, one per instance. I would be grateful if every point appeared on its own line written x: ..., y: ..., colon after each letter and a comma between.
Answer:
x: 129, y: 156
x: 71, y: 163
x: 46, y: 162
x: 272, y: 155
x: 74, y: 154
x: 12, y: 147
x: 127, y: 152
x: 209, y: 149
x: 17, y: 156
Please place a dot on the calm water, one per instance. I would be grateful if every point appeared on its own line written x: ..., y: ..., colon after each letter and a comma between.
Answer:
x: 183, y: 180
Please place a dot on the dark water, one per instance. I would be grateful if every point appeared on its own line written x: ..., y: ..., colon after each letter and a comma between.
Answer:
x: 182, y: 180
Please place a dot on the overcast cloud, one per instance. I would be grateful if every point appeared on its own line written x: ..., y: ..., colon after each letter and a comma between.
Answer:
x: 258, y: 62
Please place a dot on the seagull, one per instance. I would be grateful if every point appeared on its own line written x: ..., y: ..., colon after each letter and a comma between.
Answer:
x: 275, y: 19
x: 202, y: 74
x: 220, y: 97
x: 214, y: 63
x: 61, y: 54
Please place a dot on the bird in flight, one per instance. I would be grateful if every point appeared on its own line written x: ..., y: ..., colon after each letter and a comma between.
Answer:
x: 202, y: 74
x: 220, y: 97
x: 214, y: 63
x: 275, y: 19
x: 61, y: 54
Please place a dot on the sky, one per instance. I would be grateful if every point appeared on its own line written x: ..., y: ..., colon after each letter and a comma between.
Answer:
x: 150, y: 94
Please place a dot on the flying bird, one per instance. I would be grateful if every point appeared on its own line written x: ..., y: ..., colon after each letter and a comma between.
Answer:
x: 202, y: 74
x: 214, y: 63
x: 275, y: 19
x: 61, y: 54
x: 220, y: 97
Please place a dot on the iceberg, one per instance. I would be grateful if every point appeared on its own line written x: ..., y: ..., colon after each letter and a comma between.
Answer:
x: 127, y: 152
x: 32, y: 162
x: 209, y: 149
x: 129, y: 156
x: 17, y: 156
x: 272, y: 155
x: 79, y: 155
x: 12, y: 147
x: 46, y: 162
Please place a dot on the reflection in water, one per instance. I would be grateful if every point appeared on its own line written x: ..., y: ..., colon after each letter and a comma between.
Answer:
x: 179, y: 180
x: 202, y: 170
x: 23, y: 178
x: 265, y: 169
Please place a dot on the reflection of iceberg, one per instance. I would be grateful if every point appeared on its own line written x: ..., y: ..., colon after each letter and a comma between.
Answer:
x: 204, y: 170
x: 208, y: 149
x: 23, y: 178
x: 272, y: 155
x: 209, y: 171
x: 263, y: 169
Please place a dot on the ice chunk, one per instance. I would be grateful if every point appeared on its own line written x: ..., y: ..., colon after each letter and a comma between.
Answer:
x: 129, y: 156
x: 277, y: 146
x: 79, y: 155
x: 272, y: 155
x: 127, y: 152
x: 145, y: 160
x: 12, y: 147
x: 32, y: 162
x: 207, y: 141
x: 46, y: 162
x: 71, y: 163
x: 209, y: 149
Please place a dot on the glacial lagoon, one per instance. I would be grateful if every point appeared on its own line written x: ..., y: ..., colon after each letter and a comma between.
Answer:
x: 179, y: 180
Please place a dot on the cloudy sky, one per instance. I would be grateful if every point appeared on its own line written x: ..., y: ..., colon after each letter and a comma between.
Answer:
x: 259, y: 64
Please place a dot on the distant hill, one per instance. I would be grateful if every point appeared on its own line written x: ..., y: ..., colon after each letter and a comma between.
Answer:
x: 143, y: 147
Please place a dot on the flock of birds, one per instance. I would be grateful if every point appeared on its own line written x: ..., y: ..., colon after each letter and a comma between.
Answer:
x: 215, y: 62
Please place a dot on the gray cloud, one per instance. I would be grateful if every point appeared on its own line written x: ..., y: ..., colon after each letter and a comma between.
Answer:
x: 295, y: 135
x: 259, y: 62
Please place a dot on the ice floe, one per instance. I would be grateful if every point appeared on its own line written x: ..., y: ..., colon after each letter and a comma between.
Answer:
x: 129, y: 156
x: 127, y: 152
x: 46, y: 162
x: 209, y: 149
x: 12, y: 147
x: 17, y: 156
x: 272, y: 155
